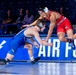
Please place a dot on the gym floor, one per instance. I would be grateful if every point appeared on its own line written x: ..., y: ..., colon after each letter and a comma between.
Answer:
x: 40, y: 68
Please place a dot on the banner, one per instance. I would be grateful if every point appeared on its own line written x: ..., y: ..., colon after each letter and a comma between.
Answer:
x: 59, y: 50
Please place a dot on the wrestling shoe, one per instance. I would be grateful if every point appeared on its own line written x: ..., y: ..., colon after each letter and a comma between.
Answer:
x: 73, y: 45
x: 4, y: 62
x: 35, y: 60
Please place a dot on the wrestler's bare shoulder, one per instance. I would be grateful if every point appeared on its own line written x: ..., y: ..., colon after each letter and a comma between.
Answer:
x: 30, y: 30
x: 56, y: 14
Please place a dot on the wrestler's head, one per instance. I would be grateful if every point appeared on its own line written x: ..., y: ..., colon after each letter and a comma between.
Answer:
x: 43, y: 11
x: 41, y: 24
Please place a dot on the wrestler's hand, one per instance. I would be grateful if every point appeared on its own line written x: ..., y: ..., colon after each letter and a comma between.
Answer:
x: 36, y: 44
x: 46, y: 43
x: 27, y: 25
x: 46, y: 40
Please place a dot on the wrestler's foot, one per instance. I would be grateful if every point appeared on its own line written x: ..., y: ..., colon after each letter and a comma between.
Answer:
x: 4, y: 62
x: 35, y: 60
x: 73, y: 45
x: 71, y: 41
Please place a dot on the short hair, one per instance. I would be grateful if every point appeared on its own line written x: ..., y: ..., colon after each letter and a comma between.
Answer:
x: 44, y: 9
x: 40, y: 23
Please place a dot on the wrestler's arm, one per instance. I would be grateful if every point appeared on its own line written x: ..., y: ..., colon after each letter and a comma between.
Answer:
x: 51, y: 27
x: 41, y: 42
x: 34, y: 23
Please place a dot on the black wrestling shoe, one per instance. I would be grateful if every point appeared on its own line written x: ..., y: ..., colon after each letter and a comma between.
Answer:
x: 3, y: 62
x: 35, y: 60
x: 73, y: 45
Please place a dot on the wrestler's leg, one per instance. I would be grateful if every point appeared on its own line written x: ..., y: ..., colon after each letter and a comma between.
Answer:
x: 11, y: 53
x: 30, y: 52
x: 70, y: 33
x: 13, y: 49
x: 71, y: 37
x: 9, y: 56
x: 14, y: 45
x: 7, y: 59
x: 61, y: 36
x: 74, y: 36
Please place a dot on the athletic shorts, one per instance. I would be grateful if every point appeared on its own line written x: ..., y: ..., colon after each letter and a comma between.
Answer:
x: 64, y: 26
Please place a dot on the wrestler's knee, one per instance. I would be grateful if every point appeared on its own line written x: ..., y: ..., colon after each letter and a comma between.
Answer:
x: 61, y: 38
x: 29, y: 46
x: 70, y: 36
x: 74, y: 36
